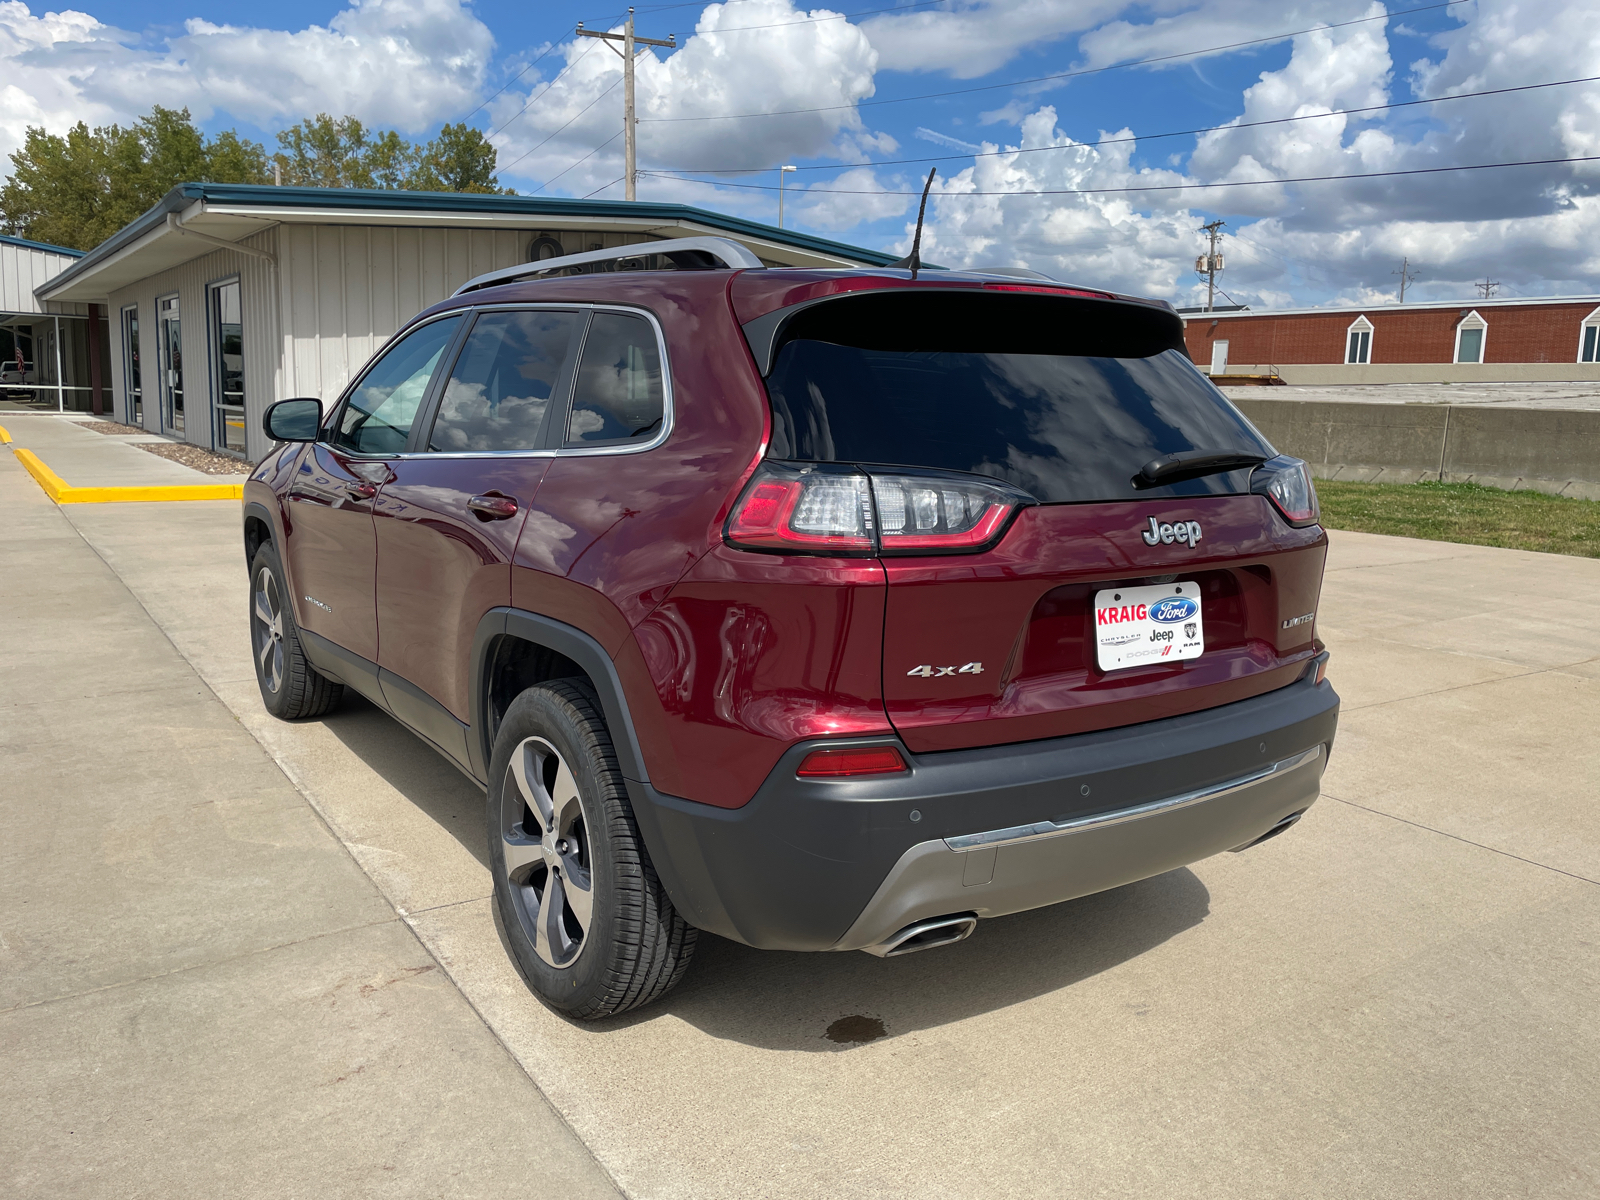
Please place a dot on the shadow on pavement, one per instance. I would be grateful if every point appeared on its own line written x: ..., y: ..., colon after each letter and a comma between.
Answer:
x: 413, y: 768
x: 783, y: 1001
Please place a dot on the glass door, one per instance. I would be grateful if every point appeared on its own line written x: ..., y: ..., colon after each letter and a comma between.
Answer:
x: 130, y: 366
x: 171, y: 337
x: 227, y: 352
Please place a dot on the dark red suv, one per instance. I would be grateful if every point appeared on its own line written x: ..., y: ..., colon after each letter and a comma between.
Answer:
x: 821, y: 610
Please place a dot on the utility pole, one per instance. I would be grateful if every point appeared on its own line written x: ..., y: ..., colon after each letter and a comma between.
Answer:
x: 1209, y: 264
x: 630, y: 123
x: 1487, y: 287
x: 782, y: 171
x: 1405, y: 277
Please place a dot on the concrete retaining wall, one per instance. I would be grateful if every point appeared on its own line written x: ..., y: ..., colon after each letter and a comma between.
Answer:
x: 1546, y: 450
x: 1313, y: 374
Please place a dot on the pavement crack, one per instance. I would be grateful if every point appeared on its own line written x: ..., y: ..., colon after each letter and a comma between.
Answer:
x: 1378, y: 812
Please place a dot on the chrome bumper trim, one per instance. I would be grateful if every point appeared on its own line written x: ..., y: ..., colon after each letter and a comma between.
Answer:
x: 1051, y: 829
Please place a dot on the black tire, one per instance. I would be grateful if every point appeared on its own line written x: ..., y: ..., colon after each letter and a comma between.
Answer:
x: 290, y: 686
x: 577, y: 839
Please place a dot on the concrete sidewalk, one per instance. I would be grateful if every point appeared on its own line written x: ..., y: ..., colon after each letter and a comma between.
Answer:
x: 201, y: 992
x: 1395, y: 999
x: 85, y: 458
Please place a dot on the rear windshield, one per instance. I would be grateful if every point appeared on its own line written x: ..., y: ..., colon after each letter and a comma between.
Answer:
x: 1063, y: 427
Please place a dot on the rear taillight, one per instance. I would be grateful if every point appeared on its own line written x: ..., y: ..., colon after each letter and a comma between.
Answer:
x: 1287, y: 483
x: 837, y: 510
x: 859, y: 760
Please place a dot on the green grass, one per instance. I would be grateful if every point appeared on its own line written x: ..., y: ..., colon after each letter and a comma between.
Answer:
x: 1464, y: 512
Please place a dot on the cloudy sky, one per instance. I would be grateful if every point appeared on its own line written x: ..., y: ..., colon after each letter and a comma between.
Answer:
x: 1068, y: 135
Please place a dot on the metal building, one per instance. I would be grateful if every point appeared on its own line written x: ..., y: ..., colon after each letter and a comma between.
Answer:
x: 224, y: 298
x: 50, y: 360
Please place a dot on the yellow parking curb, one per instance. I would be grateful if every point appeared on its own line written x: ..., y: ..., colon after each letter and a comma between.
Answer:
x: 63, y: 493
x: 5, y: 438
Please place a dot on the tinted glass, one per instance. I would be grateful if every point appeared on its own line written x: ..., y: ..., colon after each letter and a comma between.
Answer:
x: 377, y: 418
x: 1061, y: 427
x: 503, y: 382
x: 618, y: 395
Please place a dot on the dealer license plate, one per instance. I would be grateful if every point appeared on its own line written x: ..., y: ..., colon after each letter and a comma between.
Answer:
x: 1135, y: 627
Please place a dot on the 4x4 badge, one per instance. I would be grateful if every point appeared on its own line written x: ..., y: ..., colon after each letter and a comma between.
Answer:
x: 934, y: 672
x: 1187, y: 532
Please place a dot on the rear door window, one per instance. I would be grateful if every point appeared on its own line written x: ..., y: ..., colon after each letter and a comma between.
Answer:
x: 377, y: 416
x: 511, y: 370
x: 619, y: 396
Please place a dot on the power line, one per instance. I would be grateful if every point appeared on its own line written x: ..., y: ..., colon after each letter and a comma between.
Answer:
x: 547, y: 52
x: 1071, y: 74
x: 1165, y: 187
x: 571, y: 119
x: 584, y: 159
x: 531, y: 99
x: 1144, y: 137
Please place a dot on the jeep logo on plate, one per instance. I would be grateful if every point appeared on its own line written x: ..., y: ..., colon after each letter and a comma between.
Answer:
x: 1173, y: 609
x: 1184, y: 532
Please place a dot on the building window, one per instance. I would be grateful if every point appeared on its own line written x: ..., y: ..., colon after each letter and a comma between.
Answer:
x: 132, y: 386
x: 1589, y: 338
x: 1358, y: 348
x: 1471, y: 331
x: 227, y: 358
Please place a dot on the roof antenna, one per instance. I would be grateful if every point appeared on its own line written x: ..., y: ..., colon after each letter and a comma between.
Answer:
x: 914, y: 259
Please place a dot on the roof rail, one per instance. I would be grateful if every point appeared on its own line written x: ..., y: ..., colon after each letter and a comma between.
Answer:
x: 692, y: 253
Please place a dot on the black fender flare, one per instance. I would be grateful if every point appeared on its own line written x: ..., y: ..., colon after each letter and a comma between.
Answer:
x: 573, y: 643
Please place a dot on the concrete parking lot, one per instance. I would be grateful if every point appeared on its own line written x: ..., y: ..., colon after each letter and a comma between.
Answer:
x: 243, y: 956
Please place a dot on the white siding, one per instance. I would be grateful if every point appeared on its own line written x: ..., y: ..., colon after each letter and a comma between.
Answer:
x: 22, y: 269
x: 347, y: 288
x: 261, y: 340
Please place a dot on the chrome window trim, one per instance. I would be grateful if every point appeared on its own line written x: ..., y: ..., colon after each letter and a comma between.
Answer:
x: 330, y: 422
x: 669, y: 408
x: 1050, y: 829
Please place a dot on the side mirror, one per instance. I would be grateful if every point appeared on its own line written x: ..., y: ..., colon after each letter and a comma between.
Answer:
x: 293, y: 421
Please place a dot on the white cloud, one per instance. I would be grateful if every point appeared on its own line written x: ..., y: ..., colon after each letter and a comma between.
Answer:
x: 406, y: 63
x: 813, y: 71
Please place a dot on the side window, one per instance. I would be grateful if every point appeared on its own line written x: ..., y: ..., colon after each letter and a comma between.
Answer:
x: 504, y: 381
x: 377, y: 417
x: 618, y: 396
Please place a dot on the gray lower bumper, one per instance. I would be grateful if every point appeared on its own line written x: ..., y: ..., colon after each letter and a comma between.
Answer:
x: 1012, y: 870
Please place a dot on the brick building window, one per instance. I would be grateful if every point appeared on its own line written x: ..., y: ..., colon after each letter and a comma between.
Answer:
x: 1358, y: 346
x: 1589, y: 338
x: 1471, y: 331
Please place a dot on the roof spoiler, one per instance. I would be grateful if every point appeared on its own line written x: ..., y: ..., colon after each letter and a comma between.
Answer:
x: 687, y: 254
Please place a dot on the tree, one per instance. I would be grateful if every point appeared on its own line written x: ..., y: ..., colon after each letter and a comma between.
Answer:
x: 77, y: 190
x: 460, y: 159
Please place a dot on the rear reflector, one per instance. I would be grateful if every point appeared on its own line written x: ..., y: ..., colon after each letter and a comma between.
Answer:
x: 864, y: 760
x: 1322, y: 668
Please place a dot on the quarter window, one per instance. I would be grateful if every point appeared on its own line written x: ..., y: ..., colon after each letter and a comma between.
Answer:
x: 378, y: 415
x: 618, y: 396
x: 504, y: 381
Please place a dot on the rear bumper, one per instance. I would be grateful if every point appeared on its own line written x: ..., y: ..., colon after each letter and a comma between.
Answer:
x: 842, y: 865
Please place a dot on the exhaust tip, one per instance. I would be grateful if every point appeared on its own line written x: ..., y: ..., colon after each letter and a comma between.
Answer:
x: 925, y: 935
x: 1282, y: 825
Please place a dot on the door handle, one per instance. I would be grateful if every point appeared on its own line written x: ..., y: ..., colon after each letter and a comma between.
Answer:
x: 492, y: 507
x: 360, y: 489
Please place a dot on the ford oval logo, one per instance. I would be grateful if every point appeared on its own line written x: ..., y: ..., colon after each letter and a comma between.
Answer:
x: 1173, y: 609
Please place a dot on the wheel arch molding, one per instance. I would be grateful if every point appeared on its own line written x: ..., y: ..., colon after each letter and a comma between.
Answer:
x: 513, y: 650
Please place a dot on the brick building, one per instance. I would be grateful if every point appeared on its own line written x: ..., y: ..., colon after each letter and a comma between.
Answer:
x: 1556, y: 340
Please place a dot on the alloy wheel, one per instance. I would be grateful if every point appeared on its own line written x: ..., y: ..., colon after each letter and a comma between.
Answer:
x: 267, y: 627
x: 547, y: 864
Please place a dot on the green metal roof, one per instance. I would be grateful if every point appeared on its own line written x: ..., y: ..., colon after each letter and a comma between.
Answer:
x: 45, y: 246
x: 384, y: 200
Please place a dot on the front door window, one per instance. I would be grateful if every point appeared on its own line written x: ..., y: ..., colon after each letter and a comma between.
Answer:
x: 171, y: 334
x: 227, y: 330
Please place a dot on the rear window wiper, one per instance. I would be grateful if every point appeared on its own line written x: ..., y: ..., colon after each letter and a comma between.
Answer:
x: 1192, y: 464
